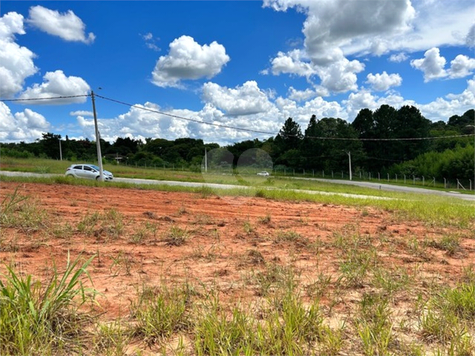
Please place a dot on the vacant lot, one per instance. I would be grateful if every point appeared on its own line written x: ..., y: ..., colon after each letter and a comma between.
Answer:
x: 378, y: 282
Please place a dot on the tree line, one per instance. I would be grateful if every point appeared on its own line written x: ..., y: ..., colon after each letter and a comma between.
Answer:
x: 387, y: 140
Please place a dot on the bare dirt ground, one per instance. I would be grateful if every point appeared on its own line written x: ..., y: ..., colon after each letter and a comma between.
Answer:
x: 152, y: 237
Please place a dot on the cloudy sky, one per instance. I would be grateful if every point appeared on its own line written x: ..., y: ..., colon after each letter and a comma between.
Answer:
x: 234, y: 64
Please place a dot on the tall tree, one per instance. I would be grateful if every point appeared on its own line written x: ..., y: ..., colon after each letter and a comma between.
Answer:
x: 49, y: 145
x: 289, y: 137
x: 410, y: 124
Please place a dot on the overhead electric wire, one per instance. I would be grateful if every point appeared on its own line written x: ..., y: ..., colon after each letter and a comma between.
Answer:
x: 46, y: 98
x: 181, y: 117
x: 141, y: 107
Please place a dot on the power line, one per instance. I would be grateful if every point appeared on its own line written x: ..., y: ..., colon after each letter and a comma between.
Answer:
x: 273, y: 133
x: 46, y: 98
x: 140, y: 107
x: 183, y: 118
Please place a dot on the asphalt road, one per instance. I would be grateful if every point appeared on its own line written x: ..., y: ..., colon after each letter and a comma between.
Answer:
x: 397, y: 188
x: 372, y: 185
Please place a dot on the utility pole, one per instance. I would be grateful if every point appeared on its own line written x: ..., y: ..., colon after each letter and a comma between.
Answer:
x: 98, y: 139
x: 349, y: 164
x: 206, y: 161
x: 60, y: 151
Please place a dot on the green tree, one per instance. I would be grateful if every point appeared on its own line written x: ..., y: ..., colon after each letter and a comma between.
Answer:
x: 289, y: 136
x: 410, y: 123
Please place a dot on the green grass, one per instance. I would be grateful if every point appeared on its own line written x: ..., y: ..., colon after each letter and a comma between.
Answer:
x: 361, y: 305
x: 434, y: 210
x: 161, y: 313
x: 37, y: 318
x: 37, y: 165
x: 22, y: 212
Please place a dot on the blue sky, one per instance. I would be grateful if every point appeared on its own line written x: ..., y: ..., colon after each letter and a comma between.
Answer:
x: 247, y: 64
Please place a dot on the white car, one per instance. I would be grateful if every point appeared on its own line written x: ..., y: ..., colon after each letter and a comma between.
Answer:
x: 263, y: 173
x: 88, y: 171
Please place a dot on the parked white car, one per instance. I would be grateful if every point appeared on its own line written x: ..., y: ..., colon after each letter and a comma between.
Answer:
x: 263, y: 173
x: 88, y: 171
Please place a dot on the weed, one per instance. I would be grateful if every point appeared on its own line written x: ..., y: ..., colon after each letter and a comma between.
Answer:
x: 37, y: 318
x: 42, y: 169
x: 122, y: 262
x: 356, y: 265
x: 21, y: 212
x: 87, y: 224
x: 260, y: 193
x: 391, y: 281
x: 468, y: 275
x: 331, y: 340
x: 175, y: 236
x: 265, y: 219
x: 209, y: 254
x: 318, y: 288
x: 203, y: 219
x: 182, y: 210
x: 255, y: 257
x: 205, y: 192
x: 374, y: 325
x: 160, y: 314
x: 111, y: 339
x: 273, y: 278
x: 218, y: 334
x: 144, y: 232
x: 110, y: 221
x: 449, y: 243
x: 248, y: 228
x: 291, y: 326
x: 460, y: 300
x: 62, y: 231
x: 291, y: 236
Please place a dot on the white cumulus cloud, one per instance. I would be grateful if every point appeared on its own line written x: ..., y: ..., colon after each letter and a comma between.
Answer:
x: 57, y: 84
x: 22, y: 126
x: 301, y: 95
x: 292, y: 63
x: 383, y: 81
x: 187, y: 59
x: 398, y: 57
x: 244, y: 100
x: 335, y: 29
x: 16, y: 62
x: 67, y: 25
x: 461, y: 66
x: 470, y: 39
x: 432, y: 65
x: 81, y: 113
x: 341, y: 76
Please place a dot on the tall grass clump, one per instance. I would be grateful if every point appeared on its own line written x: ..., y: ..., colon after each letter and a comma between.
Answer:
x: 374, y: 325
x: 217, y: 333
x: 109, y: 224
x: 161, y: 314
x: 42, y: 318
x: 19, y: 211
x: 287, y: 327
x: 448, y: 317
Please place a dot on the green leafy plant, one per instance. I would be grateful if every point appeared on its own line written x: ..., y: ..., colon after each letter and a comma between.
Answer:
x: 36, y: 316
x: 161, y: 313
x: 175, y: 236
